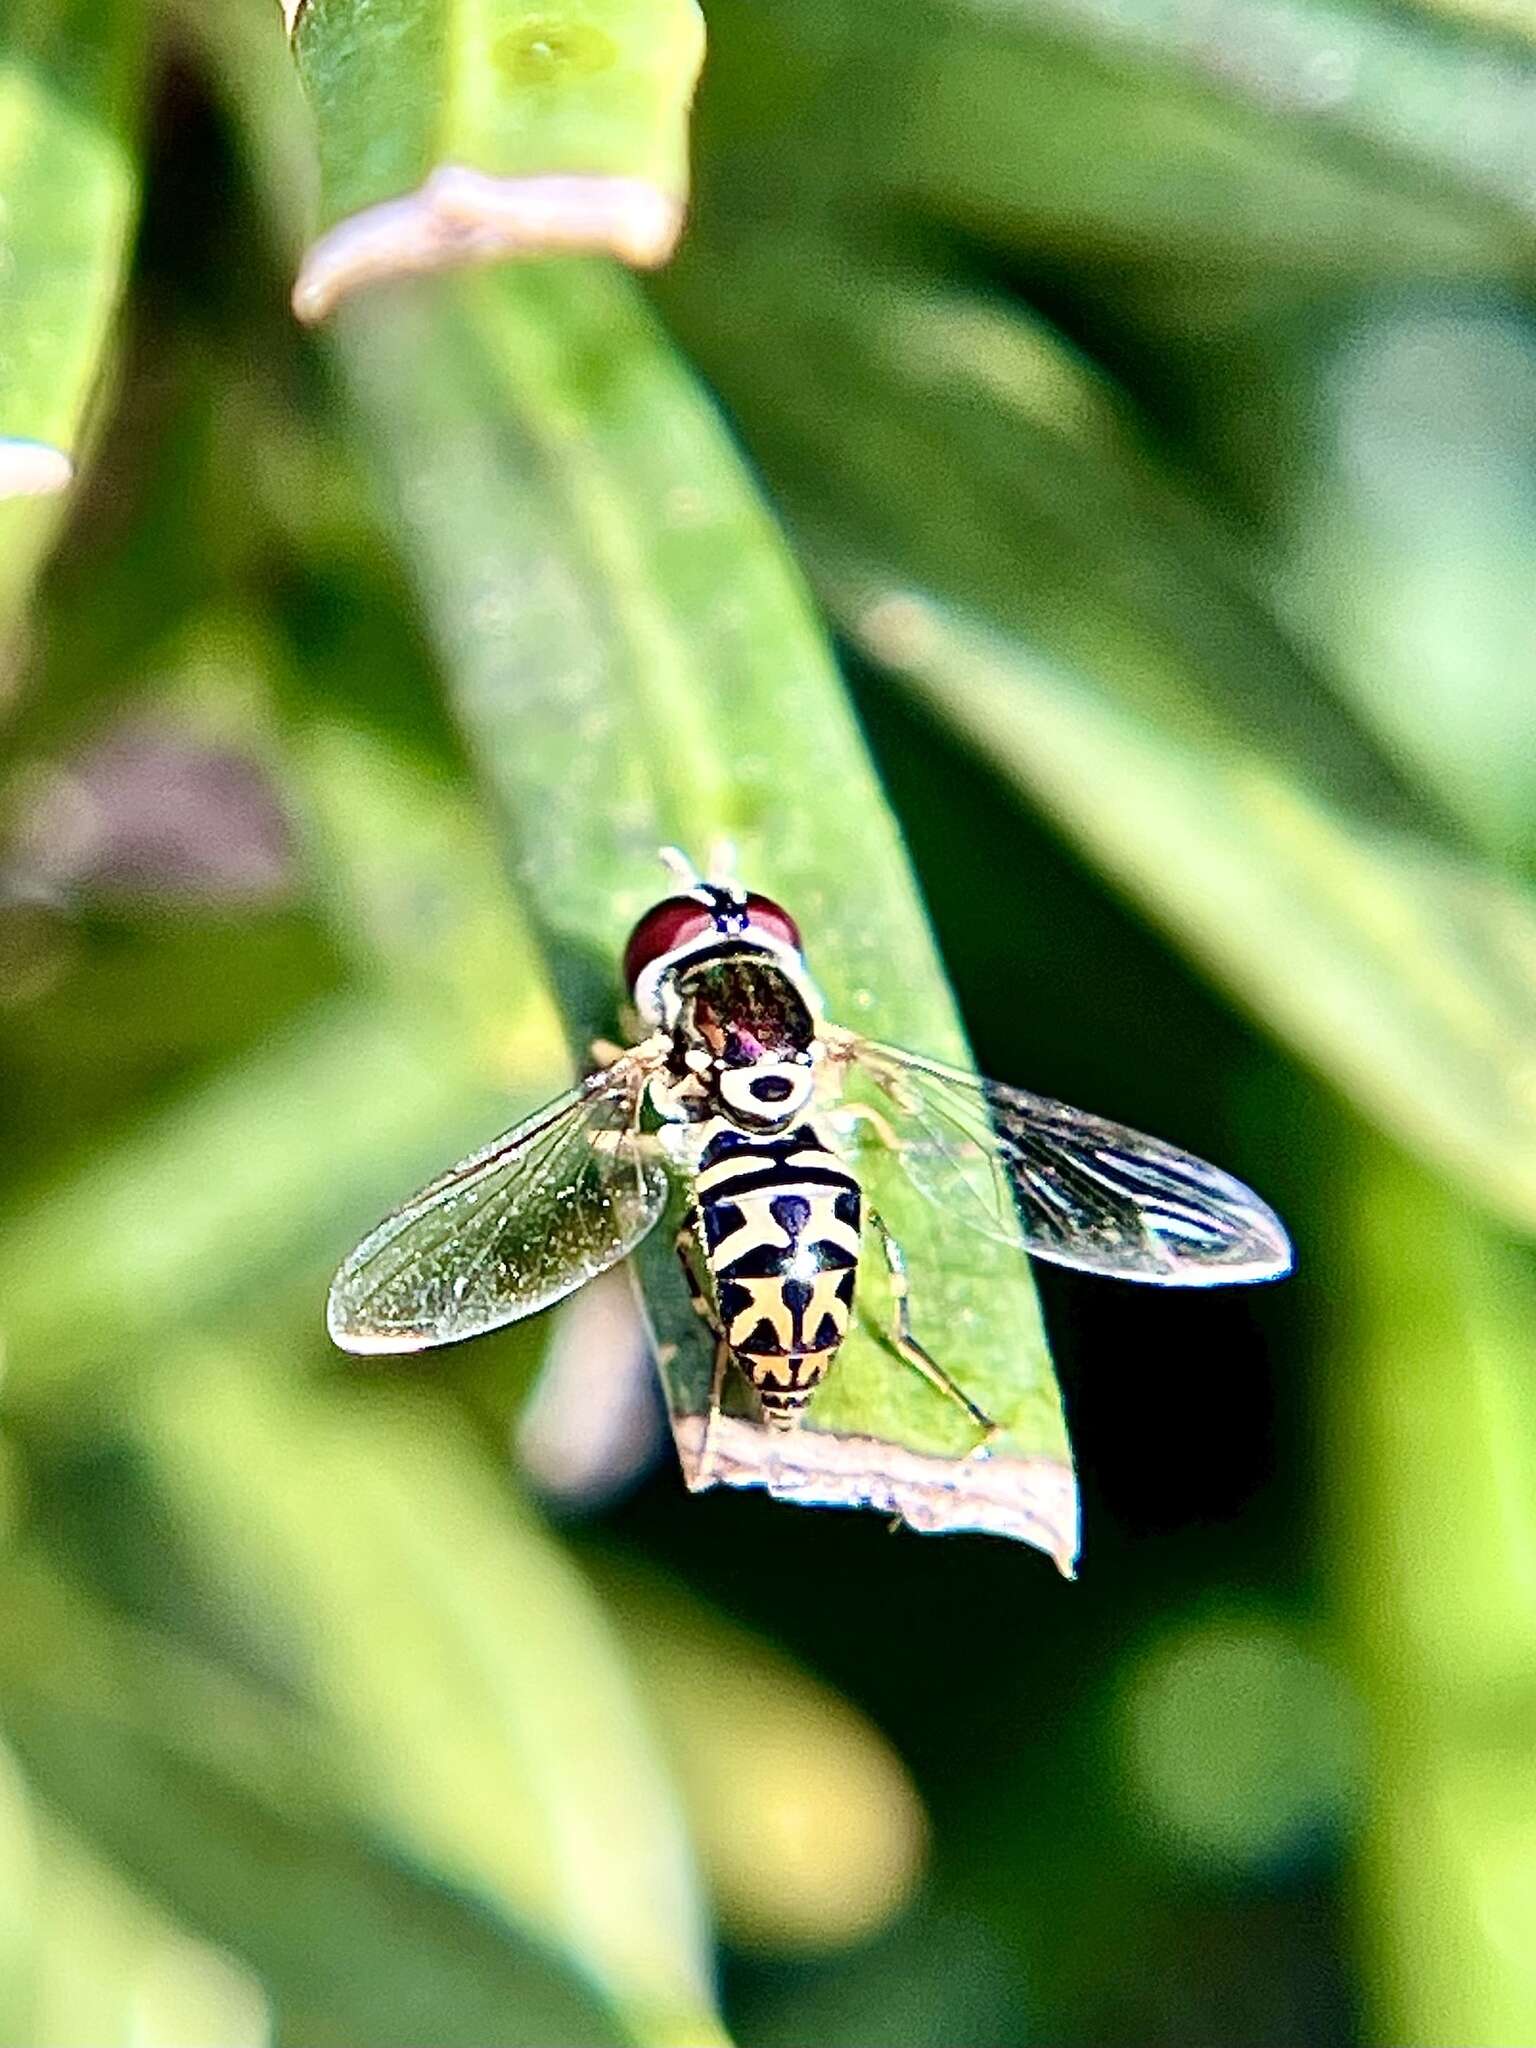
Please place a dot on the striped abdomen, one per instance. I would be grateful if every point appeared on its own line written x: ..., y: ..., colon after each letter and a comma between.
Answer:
x: 779, y: 1217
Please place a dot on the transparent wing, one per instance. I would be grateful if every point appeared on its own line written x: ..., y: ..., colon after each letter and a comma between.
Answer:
x: 1075, y: 1188
x: 508, y: 1231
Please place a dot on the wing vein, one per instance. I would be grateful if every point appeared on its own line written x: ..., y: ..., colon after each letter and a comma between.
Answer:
x: 1065, y: 1185
x: 511, y: 1229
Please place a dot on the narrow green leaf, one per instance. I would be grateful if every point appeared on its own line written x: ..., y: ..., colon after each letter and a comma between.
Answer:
x: 634, y: 664
x: 1503, y: 17
x: 463, y: 131
x: 115, y: 1970
x: 256, y: 1180
x: 227, y: 1807
x: 237, y: 1189
x: 809, y: 1827
x: 1419, y: 596
x: 1431, y: 1429
x: 1406, y: 973
x: 1449, y: 114
x: 457, y: 1653
x: 69, y: 81
x: 398, y: 848
x: 1088, y: 628
x: 1229, y: 148
x: 24, y: 1920
x: 28, y: 527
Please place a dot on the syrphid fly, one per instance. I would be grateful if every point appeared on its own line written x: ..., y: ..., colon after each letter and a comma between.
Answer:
x: 739, y: 1089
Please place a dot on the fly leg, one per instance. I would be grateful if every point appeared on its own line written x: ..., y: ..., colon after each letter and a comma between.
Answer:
x: 646, y: 1059
x: 907, y: 1346
x: 704, y: 1309
x: 846, y: 1117
x: 848, y: 1114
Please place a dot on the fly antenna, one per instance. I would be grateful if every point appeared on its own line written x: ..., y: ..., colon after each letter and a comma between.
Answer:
x: 679, y: 867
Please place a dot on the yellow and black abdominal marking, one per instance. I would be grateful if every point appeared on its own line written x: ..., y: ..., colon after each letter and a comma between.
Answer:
x: 778, y: 1218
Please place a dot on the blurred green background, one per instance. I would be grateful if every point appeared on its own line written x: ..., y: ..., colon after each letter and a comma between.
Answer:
x: 1146, y: 394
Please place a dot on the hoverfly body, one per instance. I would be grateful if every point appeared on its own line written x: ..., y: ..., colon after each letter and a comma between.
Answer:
x: 737, y: 1090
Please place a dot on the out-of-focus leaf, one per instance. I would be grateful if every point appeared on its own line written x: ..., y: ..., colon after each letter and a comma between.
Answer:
x: 459, y: 1655
x: 69, y: 80
x: 24, y: 1919
x: 27, y: 530
x: 1247, y: 142
x: 229, y: 1809
x: 114, y: 1970
x: 811, y: 1832
x: 1084, y: 626
x: 69, y: 83
x: 1434, y: 113
x: 103, y: 608
x: 1505, y: 17
x: 1433, y: 1424
x: 261, y: 1176
x: 1239, y: 1744
x: 634, y: 664
x: 109, y: 1008
x: 939, y: 1979
x: 593, y: 1423
x: 1419, y: 596
x: 230, y: 1193
x: 398, y: 851
x: 474, y: 130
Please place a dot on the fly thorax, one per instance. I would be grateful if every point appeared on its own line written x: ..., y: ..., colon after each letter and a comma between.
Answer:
x: 746, y: 1033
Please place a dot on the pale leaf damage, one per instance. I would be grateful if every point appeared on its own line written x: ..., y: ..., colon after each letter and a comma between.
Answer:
x: 1032, y: 1499
x: 460, y: 216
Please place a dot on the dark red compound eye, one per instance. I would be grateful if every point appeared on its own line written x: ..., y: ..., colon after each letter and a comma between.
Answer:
x: 777, y: 923
x: 666, y: 926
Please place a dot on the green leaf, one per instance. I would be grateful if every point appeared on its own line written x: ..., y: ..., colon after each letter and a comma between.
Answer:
x: 634, y: 664
x: 400, y: 853
x: 25, y: 1919
x: 1420, y: 598
x: 227, y: 1807
x: 1436, y: 119
x: 472, y: 130
x: 115, y: 1970
x: 28, y: 528
x: 1227, y: 149
x: 250, y: 1185
x: 246, y: 1185
x: 809, y: 1827
x: 365, y: 1544
x: 1431, y: 1424
x: 1504, y: 17
x: 69, y: 81
x: 69, y: 84
x: 1089, y: 629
